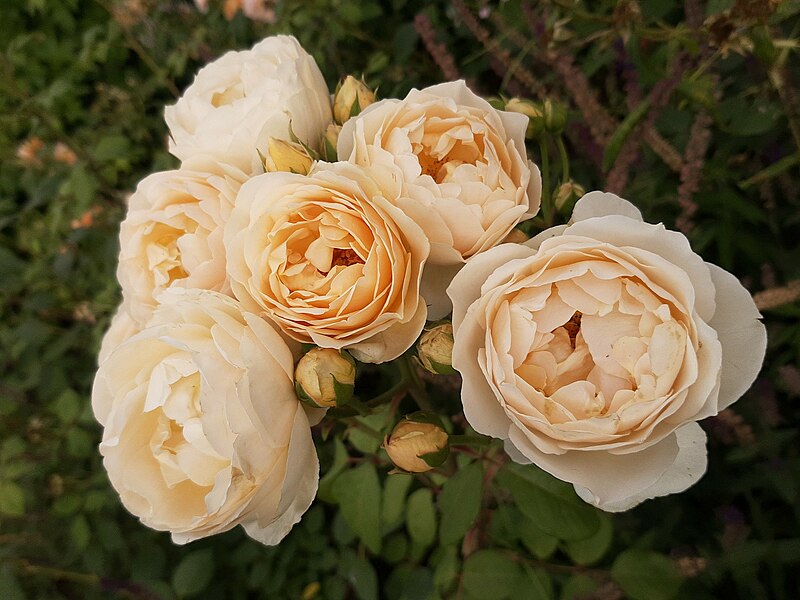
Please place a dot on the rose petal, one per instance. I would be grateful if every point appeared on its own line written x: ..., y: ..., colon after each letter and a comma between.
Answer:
x: 742, y: 336
x: 689, y: 466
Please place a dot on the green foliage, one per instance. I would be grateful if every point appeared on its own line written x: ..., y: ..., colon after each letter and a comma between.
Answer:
x: 93, y: 76
x: 460, y: 502
x: 358, y: 492
x: 550, y: 504
x: 645, y: 575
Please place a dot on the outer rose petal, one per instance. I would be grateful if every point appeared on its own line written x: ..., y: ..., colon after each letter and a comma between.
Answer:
x: 122, y: 326
x: 435, y: 279
x: 299, y: 488
x: 610, y: 479
x: 485, y: 415
x: 741, y: 333
x: 601, y: 204
x: 689, y: 466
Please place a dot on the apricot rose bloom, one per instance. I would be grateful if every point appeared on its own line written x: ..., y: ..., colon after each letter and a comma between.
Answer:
x: 594, y: 349
x: 240, y: 100
x: 467, y: 179
x: 330, y: 259
x: 172, y: 234
x: 202, y: 428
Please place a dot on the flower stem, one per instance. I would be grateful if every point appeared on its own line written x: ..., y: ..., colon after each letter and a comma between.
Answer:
x: 470, y: 440
x: 562, y: 150
x: 415, y: 386
x: 547, y: 207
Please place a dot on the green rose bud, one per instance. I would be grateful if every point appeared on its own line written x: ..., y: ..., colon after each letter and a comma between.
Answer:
x: 329, y: 140
x: 351, y: 97
x: 555, y: 116
x: 532, y: 110
x: 568, y: 193
x: 435, y: 349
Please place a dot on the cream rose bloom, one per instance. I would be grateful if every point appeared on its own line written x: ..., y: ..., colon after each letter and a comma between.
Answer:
x: 594, y: 348
x: 467, y: 179
x: 330, y: 259
x: 122, y: 327
x: 240, y: 100
x: 172, y: 234
x: 202, y: 428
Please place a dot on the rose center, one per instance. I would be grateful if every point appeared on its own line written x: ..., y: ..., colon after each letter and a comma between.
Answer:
x: 432, y: 166
x: 573, y: 326
x: 228, y: 96
x: 344, y: 257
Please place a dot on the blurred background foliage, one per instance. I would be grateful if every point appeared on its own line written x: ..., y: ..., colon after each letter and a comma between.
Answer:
x: 689, y: 109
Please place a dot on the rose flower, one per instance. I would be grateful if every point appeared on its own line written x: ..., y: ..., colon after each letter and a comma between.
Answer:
x: 467, y: 179
x: 202, y: 428
x: 594, y: 348
x: 172, y: 234
x: 330, y: 259
x: 122, y: 327
x: 240, y: 100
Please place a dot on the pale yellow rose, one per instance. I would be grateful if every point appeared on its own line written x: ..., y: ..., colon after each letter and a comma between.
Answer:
x: 172, y: 234
x: 330, y: 259
x: 240, y: 100
x: 594, y: 348
x: 122, y: 327
x: 202, y: 428
x: 466, y: 177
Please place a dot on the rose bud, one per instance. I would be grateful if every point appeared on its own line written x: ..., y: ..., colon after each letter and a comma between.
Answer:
x: 568, y: 193
x: 555, y: 116
x: 351, y: 97
x: 418, y: 443
x: 288, y: 157
x: 435, y: 349
x: 325, y: 377
x: 533, y: 111
x: 329, y: 140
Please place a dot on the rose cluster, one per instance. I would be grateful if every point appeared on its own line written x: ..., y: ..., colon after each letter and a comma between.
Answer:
x: 347, y: 224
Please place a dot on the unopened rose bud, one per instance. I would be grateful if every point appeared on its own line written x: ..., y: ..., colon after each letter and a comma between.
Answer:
x: 435, y: 349
x: 569, y: 192
x: 329, y: 141
x: 288, y: 157
x: 351, y: 97
x: 533, y: 111
x: 555, y: 116
x: 418, y: 443
x: 325, y: 377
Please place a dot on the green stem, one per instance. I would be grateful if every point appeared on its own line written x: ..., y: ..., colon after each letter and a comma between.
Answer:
x: 400, y: 387
x: 775, y: 169
x: 547, y: 207
x: 415, y: 388
x: 562, y: 151
x: 56, y: 574
x: 470, y: 440
x: 354, y: 422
